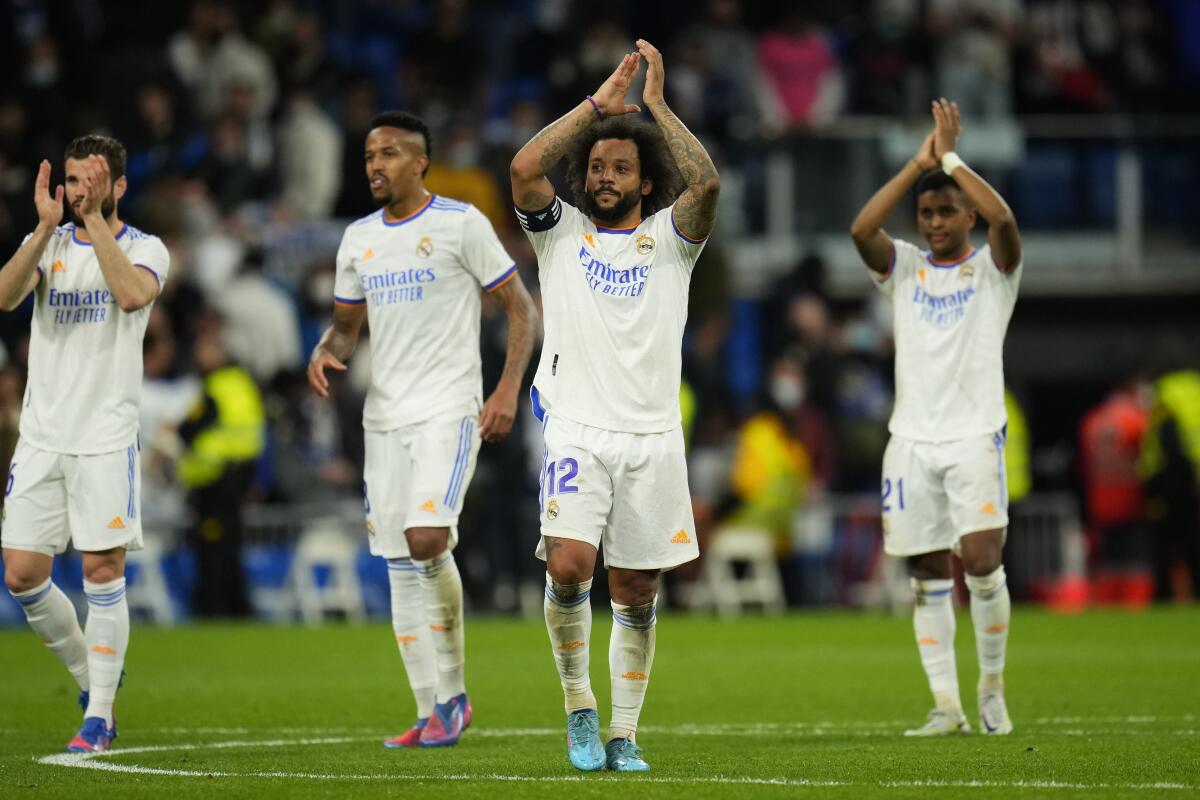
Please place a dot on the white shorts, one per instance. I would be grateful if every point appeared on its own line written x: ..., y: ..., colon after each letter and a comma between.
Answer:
x: 627, y: 491
x: 934, y: 493
x: 415, y: 477
x: 51, y: 499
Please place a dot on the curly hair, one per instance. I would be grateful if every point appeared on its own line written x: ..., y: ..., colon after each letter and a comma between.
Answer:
x: 95, y: 144
x: 654, y: 159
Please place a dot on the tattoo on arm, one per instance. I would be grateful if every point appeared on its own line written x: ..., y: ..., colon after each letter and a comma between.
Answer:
x: 522, y: 318
x: 696, y: 209
x: 531, y: 165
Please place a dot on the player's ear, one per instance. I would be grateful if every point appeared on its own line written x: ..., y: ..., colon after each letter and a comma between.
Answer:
x: 423, y: 163
x: 119, y: 187
x: 647, y: 186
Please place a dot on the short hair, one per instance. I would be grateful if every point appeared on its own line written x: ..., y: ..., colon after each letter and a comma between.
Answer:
x: 934, y: 181
x: 406, y: 121
x: 96, y: 144
x: 654, y: 156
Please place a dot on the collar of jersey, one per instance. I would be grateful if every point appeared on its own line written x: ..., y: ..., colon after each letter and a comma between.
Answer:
x: 410, y: 217
x: 622, y: 231
x: 75, y: 234
x: 939, y: 265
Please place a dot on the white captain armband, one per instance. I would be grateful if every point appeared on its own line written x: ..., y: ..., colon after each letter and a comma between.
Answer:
x: 541, y: 220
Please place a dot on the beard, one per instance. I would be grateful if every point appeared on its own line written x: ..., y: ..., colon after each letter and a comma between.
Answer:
x: 107, y: 207
x: 614, y: 213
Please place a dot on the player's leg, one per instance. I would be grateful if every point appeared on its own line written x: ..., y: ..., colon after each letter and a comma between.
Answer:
x: 444, y: 454
x: 574, y: 501
x: 34, y: 530
x: 106, y: 632
x: 978, y: 496
x: 387, y: 473
x: 917, y: 527
x: 652, y: 529
x: 991, y: 614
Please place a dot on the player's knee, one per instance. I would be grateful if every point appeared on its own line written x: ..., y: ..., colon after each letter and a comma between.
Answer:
x: 983, y: 562
x: 427, y: 543
x: 633, y: 587
x: 930, y: 566
x: 19, y: 582
x: 103, y: 572
x: 566, y: 571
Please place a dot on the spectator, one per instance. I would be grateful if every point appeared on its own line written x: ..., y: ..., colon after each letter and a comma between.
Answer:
x: 973, y: 60
x: 310, y: 150
x: 803, y: 69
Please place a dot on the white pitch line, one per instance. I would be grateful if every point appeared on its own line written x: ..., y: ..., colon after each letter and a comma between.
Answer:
x: 93, y: 761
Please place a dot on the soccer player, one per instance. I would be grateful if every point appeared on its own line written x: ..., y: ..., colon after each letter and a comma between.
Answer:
x: 944, y: 487
x: 414, y: 270
x: 75, y: 475
x: 615, y: 271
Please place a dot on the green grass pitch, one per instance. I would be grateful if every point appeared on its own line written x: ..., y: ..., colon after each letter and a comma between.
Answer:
x: 1106, y: 705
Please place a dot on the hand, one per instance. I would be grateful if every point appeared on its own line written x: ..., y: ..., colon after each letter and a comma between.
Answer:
x: 316, y: 370
x: 610, y: 97
x: 49, y: 209
x: 652, y: 92
x: 96, y: 186
x: 946, y: 129
x: 496, y: 418
x: 925, y: 159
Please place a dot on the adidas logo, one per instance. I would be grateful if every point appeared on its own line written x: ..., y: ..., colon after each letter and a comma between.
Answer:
x: 634, y: 676
x: 406, y: 639
x: 428, y: 506
x: 989, y: 509
x: 681, y: 538
x: 367, y: 256
x: 58, y: 267
x: 924, y: 640
x: 104, y: 650
x: 572, y: 645
x: 116, y: 524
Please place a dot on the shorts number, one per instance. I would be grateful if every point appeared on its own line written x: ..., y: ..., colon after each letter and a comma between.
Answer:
x: 569, y: 468
x: 887, y: 492
x: 8, y: 488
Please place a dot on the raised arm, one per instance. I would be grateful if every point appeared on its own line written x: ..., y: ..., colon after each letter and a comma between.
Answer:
x: 496, y: 418
x: 531, y: 190
x: 19, y: 276
x: 871, y: 240
x: 132, y: 286
x: 336, y: 345
x: 1003, y: 235
x: 695, y: 212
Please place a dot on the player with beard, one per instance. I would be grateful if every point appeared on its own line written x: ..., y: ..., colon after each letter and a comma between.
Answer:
x: 75, y: 475
x: 414, y: 270
x: 615, y: 272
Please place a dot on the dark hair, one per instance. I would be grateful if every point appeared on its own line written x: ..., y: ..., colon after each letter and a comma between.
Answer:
x: 654, y: 157
x: 934, y: 181
x: 95, y: 144
x: 405, y: 121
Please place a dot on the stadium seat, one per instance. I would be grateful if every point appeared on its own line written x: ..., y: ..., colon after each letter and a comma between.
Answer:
x: 758, y: 585
x: 325, y: 575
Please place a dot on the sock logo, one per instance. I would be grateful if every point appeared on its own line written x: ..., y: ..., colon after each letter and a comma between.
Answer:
x: 681, y: 538
x: 572, y: 645
x: 1001, y: 628
x: 927, y: 640
x: 104, y: 651
x: 634, y: 676
x: 116, y: 524
x: 406, y: 638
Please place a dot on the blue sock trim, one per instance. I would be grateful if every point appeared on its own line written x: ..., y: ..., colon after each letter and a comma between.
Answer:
x: 27, y: 600
x: 580, y: 599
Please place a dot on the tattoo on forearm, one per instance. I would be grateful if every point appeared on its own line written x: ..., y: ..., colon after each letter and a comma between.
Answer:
x: 695, y: 210
x: 556, y: 138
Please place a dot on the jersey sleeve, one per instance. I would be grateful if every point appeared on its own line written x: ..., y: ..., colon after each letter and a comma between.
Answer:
x: 151, y: 255
x: 684, y: 246
x: 347, y: 289
x: 1007, y: 281
x: 482, y: 254
x: 547, y: 225
x: 904, y: 257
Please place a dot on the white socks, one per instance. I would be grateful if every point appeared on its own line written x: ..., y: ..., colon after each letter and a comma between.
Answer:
x: 413, y: 636
x: 107, y: 637
x: 569, y: 622
x: 630, y: 654
x: 933, y: 623
x: 991, y: 611
x: 52, y: 617
x: 441, y: 588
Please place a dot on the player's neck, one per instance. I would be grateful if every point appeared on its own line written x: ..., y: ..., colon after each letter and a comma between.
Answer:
x: 114, y: 224
x: 942, y: 259
x: 407, y: 206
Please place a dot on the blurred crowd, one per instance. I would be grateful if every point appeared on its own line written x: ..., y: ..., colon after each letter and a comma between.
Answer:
x: 243, y: 123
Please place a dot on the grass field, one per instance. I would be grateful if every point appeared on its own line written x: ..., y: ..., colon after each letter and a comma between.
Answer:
x: 1107, y: 705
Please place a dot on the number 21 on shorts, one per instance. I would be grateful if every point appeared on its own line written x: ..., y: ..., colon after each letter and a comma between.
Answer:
x: 893, y: 492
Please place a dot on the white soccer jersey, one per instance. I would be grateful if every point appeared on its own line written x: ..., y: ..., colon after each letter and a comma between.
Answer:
x: 950, y: 321
x: 85, y: 353
x: 419, y: 277
x: 615, y: 303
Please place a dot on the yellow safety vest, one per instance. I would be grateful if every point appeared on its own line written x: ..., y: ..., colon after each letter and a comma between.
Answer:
x: 236, y: 436
x: 1178, y: 397
x: 1016, y: 450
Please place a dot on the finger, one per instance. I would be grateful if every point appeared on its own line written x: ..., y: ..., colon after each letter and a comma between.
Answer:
x: 632, y: 109
x: 335, y: 364
x: 58, y: 193
x: 43, y: 176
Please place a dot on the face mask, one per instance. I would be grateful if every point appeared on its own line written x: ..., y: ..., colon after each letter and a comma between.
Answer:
x: 787, y: 392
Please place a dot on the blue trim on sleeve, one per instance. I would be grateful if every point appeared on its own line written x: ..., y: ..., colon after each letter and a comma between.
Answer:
x: 157, y: 277
x: 346, y: 301
x: 683, y: 235
x: 496, y: 284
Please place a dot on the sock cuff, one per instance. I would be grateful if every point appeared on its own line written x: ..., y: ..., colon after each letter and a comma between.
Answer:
x: 104, y: 594
x: 35, y: 595
x: 401, y: 565
x: 638, y: 618
x: 985, y: 586
x: 932, y: 591
x: 431, y: 567
x: 568, y: 595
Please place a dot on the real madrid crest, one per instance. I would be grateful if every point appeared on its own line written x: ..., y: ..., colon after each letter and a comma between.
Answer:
x: 552, y: 510
x: 370, y: 528
x: 425, y: 247
x: 966, y: 271
x: 645, y: 244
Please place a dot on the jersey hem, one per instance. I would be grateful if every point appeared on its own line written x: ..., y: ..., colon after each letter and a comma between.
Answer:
x: 957, y: 437
x: 610, y: 425
x: 99, y: 451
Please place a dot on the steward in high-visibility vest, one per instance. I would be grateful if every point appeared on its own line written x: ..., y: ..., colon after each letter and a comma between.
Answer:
x: 228, y: 427
x: 1016, y: 450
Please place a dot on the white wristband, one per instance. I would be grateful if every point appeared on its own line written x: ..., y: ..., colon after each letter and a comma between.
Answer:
x: 951, y: 162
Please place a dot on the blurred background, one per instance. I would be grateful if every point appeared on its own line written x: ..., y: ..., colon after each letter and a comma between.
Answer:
x: 244, y: 123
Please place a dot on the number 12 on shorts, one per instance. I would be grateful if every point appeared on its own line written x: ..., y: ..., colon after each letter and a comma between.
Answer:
x: 559, y: 476
x: 888, y: 486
